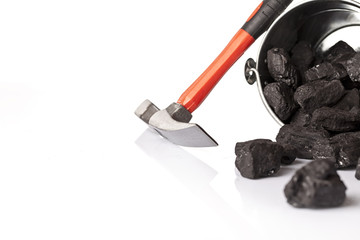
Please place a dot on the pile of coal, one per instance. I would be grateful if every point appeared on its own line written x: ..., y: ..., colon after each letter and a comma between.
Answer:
x: 261, y: 157
x: 316, y: 185
x: 322, y: 105
x: 318, y: 100
x: 302, y: 82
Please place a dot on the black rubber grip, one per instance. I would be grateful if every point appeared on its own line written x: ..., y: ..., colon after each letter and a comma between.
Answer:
x: 261, y: 20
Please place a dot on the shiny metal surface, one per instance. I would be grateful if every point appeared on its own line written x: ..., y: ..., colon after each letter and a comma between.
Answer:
x: 180, y: 133
x: 172, y: 124
x: 250, y: 67
x: 320, y: 22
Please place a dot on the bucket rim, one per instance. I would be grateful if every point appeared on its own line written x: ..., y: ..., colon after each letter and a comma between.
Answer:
x: 256, y: 69
x: 290, y: 8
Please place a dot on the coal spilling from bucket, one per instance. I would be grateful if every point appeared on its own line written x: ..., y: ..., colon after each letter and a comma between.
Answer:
x: 308, y: 75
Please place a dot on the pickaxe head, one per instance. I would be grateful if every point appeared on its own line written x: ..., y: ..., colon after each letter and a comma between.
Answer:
x: 173, y: 124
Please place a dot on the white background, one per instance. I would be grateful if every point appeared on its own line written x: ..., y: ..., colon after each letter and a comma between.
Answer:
x: 76, y: 163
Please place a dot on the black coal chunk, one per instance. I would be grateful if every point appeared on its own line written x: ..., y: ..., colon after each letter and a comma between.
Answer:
x: 352, y: 67
x: 289, y: 155
x: 281, y: 98
x: 319, y: 93
x: 301, y: 118
x: 336, y: 120
x: 316, y: 185
x: 339, y: 52
x: 280, y: 67
x: 258, y: 158
x: 357, y: 173
x: 343, y: 149
x: 318, y: 72
x: 350, y: 100
x: 302, y: 55
x: 325, y: 71
x: 302, y: 139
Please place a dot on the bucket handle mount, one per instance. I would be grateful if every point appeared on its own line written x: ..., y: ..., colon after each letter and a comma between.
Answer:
x: 250, y: 71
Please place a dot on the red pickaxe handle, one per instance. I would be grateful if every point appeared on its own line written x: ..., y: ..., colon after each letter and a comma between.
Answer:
x: 258, y: 22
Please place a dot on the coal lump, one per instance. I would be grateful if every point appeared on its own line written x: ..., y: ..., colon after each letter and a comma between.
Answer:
x: 316, y: 185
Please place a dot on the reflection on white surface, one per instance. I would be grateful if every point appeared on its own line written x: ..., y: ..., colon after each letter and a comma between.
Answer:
x: 194, y: 174
x: 264, y: 202
x: 254, y: 209
x: 189, y: 170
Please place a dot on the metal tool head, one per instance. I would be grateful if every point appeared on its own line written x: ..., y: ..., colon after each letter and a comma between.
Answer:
x: 173, y: 124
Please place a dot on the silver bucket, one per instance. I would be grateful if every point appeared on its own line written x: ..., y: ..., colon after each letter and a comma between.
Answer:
x: 320, y: 22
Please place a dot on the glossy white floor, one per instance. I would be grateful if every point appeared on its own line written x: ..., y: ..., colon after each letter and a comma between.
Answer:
x: 76, y: 163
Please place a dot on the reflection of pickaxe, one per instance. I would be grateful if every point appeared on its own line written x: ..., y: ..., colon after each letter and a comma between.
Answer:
x: 173, y: 122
